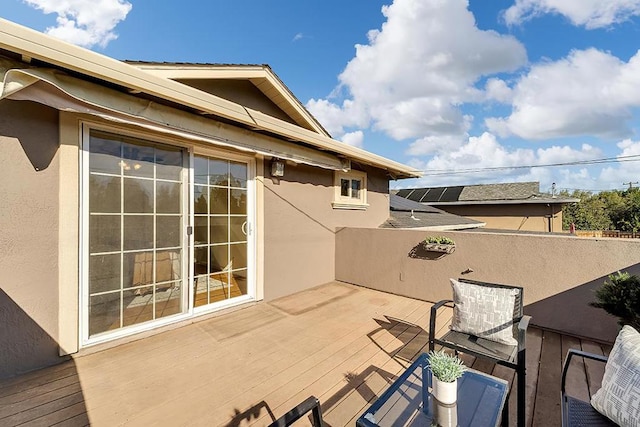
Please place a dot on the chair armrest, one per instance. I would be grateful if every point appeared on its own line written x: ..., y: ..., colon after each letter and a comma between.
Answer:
x: 434, y: 313
x: 522, y: 332
x: 580, y: 353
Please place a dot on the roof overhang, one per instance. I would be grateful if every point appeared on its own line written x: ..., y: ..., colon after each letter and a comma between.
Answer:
x: 505, y: 202
x: 31, y: 45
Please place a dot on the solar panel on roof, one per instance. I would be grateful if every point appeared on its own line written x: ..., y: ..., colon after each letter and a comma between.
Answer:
x: 417, y: 194
x: 433, y: 195
x: 451, y: 194
x: 404, y: 193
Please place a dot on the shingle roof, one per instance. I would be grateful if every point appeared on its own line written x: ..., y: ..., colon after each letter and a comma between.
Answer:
x: 409, y: 214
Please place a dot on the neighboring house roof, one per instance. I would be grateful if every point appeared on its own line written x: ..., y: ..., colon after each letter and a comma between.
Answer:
x: 482, y: 194
x: 405, y: 213
x: 260, y: 75
x: 46, y: 51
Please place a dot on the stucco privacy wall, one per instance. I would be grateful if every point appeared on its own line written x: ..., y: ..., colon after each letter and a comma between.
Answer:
x: 300, y: 225
x: 525, y: 217
x: 559, y: 274
x: 29, y: 237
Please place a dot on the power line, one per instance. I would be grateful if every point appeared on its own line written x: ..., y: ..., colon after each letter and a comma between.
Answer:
x: 620, y: 159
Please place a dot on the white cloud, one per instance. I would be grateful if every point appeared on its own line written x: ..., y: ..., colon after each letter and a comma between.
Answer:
x: 84, y: 22
x: 418, y: 69
x: 588, y: 93
x: 588, y: 13
x: 615, y: 176
x: 297, y: 37
x: 353, y: 138
x: 498, y: 90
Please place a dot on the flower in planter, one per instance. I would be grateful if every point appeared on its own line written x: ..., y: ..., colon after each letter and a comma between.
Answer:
x: 439, y: 240
x: 446, y: 367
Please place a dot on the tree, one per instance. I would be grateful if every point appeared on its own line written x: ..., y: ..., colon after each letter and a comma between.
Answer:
x: 607, y: 210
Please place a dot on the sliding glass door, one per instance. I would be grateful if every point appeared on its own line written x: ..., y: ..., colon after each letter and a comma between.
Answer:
x: 141, y: 265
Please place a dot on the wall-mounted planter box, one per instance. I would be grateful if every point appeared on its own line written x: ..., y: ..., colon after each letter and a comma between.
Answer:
x: 438, y: 247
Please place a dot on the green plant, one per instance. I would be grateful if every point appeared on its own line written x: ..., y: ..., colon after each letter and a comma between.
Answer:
x: 620, y: 297
x: 440, y: 240
x: 446, y: 367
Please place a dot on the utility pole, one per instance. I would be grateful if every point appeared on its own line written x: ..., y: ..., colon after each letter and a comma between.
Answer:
x: 630, y: 184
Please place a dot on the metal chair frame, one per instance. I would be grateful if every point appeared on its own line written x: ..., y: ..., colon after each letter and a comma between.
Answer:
x: 310, y: 404
x: 516, y: 359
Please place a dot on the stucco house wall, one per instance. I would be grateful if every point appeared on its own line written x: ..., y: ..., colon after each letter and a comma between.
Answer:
x: 29, y: 239
x: 523, y: 217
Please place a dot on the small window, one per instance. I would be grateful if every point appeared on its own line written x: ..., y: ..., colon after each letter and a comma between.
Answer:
x: 350, y: 190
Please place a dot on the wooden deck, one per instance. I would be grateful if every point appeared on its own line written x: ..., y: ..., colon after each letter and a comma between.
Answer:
x: 341, y: 343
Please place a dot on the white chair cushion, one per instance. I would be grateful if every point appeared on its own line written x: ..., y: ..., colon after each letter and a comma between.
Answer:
x: 483, y: 311
x: 619, y: 397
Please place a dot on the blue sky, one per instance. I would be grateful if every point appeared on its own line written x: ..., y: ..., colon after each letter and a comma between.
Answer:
x: 470, y: 91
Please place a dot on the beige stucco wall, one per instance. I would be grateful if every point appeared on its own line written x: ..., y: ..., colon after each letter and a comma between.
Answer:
x: 300, y: 225
x: 29, y: 237
x: 525, y: 217
x: 558, y: 273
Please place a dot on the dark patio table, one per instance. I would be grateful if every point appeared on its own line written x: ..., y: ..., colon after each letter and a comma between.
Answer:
x: 408, y: 401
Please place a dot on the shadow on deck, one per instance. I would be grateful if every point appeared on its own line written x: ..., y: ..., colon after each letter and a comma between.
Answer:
x: 341, y: 343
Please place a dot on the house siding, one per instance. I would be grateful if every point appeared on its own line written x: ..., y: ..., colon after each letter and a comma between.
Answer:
x: 523, y: 217
x: 29, y: 172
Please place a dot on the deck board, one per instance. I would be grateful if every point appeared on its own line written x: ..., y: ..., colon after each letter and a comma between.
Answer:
x: 342, y: 343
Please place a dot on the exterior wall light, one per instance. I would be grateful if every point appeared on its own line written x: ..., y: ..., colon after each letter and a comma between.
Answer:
x: 277, y: 167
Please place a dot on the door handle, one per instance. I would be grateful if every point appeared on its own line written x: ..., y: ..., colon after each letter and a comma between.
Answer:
x: 244, y: 228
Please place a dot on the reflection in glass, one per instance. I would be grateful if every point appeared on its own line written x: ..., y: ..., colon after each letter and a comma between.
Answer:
x: 239, y: 255
x: 219, y: 229
x: 104, y: 194
x: 104, y: 155
x: 167, y: 266
x: 239, y: 279
x: 200, y: 230
x: 238, y: 202
x: 104, y: 273
x: 344, y: 187
x: 104, y: 233
x: 238, y: 175
x: 138, y: 269
x: 168, y: 197
x: 218, y: 172
x: 200, y: 256
x: 219, y: 258
x: 138, y: 232
x: 237, y: 229
x: 104, y: 312
x: 168, y: 300
x: 355, y: 188
x: 200, y: 199
x: 169, y: 231
x: 169, y: 163
x: 200, y: 170
x: 137, y: 159
x: 137, y: 306
x: 138, y: 195
x: 218, y: 200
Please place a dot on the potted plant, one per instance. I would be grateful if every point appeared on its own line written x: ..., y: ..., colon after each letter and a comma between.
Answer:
x: 620, y: 296
x: 439, y: 244
x: 445, y: 369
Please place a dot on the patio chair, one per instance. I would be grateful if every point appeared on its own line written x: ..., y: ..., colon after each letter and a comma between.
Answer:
x: 576, y: 412
x: 310, y: 404
x: 472, y: 301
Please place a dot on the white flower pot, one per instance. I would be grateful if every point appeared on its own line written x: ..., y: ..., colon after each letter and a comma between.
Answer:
x: 446, y: 393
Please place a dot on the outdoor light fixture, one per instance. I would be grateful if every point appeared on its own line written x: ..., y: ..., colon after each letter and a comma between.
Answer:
x: 345, y: 164
x: 277, y: 167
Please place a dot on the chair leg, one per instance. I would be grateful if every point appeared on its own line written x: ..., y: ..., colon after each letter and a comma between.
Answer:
x: 505, y: 412
x: 522, y: 385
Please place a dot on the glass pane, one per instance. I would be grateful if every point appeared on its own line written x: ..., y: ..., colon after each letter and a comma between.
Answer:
x: 218, y: 172
x: 238, y: 203
x: 167, y: 266
x: 138, y: 306
x: 168, y: 197
x: 168, y: 231
x: 104, y: 233
x: 168, y: 300
x: 237, y: 233
x: 201, y: 291
x: 104, y: 313
x: 200, y: 230
x: 200, y: 262
x: 239, y: 283
x: 218, y: 200
x: 218, y: 287
x: 104, y: 155
x: 239, y: 255
x: 238, y: 175
x: 219, y: 229
x: 138, y: 269
x: 201, y: 199
x: 138, y: 195
x: 104, y: 273
x: 169, y: 163
x: 219, y: 258
x: 137, y: 159
x: 344, y: 187
x: 355, y: 188
x: 138, y: 232
x: 104, y: 194
x: 200, y: 170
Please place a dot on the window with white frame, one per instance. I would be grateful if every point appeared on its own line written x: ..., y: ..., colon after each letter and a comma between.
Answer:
x: 350, y: 190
